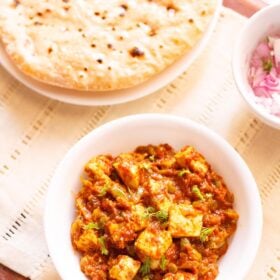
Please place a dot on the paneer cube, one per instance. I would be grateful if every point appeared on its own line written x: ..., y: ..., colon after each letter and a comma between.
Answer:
x: 128, y: 170
x: 125, y: 268
x: 184, y: 221
x: 87, y: 241
x: 120, y: 233
x: 94, y: 266
x: 140, y: 217
x: 179, y: 276
x: 159, y: 194
x: 117, y: 191
x: 153, y: 243
x: 99, y: 166
x: 189, y: 157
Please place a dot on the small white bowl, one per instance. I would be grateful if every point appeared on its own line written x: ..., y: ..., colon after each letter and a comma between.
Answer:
x: 126, y: 134
x: 257, y: 27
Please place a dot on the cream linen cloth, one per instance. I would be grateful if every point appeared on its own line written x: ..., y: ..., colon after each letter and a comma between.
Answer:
x: 36, y: 132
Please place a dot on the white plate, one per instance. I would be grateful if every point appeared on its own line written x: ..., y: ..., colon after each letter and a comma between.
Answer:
x: 133, y: 131
x: 91, y: 98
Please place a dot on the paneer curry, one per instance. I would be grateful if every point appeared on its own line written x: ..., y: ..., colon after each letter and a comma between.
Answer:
x: 152, y: 214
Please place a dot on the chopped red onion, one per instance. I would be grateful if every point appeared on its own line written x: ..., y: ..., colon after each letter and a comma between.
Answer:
x: 264, y: 74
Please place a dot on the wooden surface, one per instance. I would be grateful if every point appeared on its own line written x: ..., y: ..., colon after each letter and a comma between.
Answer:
x: 7, y: 274
x: 244, y: 7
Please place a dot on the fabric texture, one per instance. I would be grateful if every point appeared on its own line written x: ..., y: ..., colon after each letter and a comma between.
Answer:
x: 36, y: 132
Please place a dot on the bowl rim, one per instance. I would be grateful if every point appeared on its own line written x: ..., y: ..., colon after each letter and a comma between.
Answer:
x: 266, y: 117
x: 255, y: 200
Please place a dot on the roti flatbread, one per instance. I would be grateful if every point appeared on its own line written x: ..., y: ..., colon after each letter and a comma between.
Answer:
x: 100, y: 45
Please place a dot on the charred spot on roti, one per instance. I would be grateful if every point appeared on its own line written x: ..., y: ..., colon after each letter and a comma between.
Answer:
x: 172, y: 7
x: 15, y: 3
x: 152, y: 32
x: 136, y: 52
x: 124, y: 6
x: 203, y: 13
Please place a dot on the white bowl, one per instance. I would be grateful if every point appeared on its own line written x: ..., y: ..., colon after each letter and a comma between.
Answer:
x: 256, y: 28
x: 127, y: 133
x: 97, y: 98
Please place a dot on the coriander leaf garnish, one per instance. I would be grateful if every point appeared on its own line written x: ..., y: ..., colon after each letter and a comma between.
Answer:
x: 205, y: 232
x: 161, y: 215
x: 182, y: 172
x: 151, y: 209
x: 197, y: 192
x: 145, y: 267
x: 148, y: 211
x: 118, y: 192
x: 103, y: 191
x: 101, y: 241
x: 267, y: 65
x: 92, y: 226
x: 162, y: 263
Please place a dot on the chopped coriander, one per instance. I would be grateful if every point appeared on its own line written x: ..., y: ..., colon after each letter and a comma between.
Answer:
x: 148, y: 211
x: 118, y: 192
x: 151, y: 209
x: 162, y: 263
x: 197, y: 192
x: 267, y: 65
x: 182, y: 172
x: 205, y: 232
x: 161, y: 215
x: 101, y: 241
x: 92, y: 226
x: 145, y: 267
x: 103, y: 191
